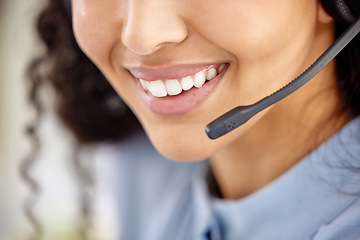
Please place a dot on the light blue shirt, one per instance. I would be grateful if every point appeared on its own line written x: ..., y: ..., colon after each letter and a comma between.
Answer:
x: 318, y: 198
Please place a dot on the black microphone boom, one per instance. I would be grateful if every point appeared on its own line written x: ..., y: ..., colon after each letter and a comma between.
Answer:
x: 240, y: 115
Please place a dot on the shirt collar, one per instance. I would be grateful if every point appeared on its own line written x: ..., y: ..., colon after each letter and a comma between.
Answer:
x: 296, y: 204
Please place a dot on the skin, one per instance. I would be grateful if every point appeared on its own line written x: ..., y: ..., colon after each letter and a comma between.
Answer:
x: 266, y: 43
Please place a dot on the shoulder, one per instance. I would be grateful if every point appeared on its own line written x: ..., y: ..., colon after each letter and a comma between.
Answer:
x: 151, y: 190
x: 138, y: 166
x: 345, y: 226
x: 337, y: 163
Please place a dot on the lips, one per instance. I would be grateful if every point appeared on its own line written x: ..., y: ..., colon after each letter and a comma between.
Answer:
x: 177, y: 89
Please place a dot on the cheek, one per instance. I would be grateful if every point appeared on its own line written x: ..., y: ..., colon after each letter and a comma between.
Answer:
x: 251, y: 28
x: 95, y: 32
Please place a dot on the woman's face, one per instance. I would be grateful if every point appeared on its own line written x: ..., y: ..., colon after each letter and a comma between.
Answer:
x: 248, y: 49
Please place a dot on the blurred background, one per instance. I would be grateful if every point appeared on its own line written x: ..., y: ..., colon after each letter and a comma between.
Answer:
x: 57, y: 205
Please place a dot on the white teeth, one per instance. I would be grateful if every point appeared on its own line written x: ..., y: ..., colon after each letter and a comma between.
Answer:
x: 221, y: 68
x: 199, y: 79
x: 173, y: 87
x: 147, y: 83
x: 157, y: 88
x: 211, y: 74
x: 187, y: 83
x: 144, y: 84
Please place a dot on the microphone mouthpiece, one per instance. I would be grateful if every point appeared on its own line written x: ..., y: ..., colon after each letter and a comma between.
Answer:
x: 229, y: 121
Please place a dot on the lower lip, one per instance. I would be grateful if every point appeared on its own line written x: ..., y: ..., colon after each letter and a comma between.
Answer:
x: 182, y: 103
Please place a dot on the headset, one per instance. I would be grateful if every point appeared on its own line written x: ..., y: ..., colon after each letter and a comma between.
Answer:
x: 346, y: 11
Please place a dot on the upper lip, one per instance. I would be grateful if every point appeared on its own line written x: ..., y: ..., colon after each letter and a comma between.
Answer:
x: 169, y: 72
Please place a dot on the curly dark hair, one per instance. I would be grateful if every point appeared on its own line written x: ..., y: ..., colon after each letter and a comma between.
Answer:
x: 86, y: 102
x: 348, y: 74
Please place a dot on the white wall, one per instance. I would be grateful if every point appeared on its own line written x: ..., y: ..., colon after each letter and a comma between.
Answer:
x: 14, y: 112
x: 56, y: 206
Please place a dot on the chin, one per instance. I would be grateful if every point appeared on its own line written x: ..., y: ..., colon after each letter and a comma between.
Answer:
x: 183, y: 152
x: 181, y: 149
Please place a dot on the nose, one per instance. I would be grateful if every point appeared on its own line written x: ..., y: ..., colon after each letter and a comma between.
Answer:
x: 152, y: 25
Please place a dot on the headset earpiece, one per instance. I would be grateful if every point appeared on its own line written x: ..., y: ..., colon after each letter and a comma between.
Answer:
x: 342, y: 10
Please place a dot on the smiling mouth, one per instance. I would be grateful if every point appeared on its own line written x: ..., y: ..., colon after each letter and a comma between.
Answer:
x: 173, y: 87
x: 177, y: 89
